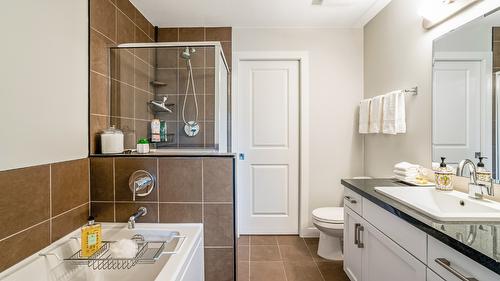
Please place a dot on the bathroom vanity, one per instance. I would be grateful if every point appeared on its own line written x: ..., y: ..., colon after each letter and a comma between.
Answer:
x: 179, y: 258
x: 385, y: 239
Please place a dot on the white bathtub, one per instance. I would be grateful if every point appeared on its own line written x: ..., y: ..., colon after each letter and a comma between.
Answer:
x: 185, y: 265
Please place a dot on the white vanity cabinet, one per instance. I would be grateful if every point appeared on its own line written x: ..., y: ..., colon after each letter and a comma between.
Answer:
x: 380, y: 246
x: 369, y: 255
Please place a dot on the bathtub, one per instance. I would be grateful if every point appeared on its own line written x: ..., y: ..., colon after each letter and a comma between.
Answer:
x: 185, y: 265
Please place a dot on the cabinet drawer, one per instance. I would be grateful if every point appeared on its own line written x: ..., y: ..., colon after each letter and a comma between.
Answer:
x: 432, y: 276
x: 407, y: 236
x: 353, y: 200
x: 444, y: 260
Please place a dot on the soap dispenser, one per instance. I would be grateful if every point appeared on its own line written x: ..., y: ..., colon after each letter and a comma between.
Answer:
x: 483, y: 175
x: 444, y: 176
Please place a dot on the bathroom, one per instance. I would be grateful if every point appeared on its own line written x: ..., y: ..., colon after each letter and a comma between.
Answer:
x: 145, y: 115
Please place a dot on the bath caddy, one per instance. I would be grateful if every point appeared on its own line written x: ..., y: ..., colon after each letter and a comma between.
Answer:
x: 148, y: 253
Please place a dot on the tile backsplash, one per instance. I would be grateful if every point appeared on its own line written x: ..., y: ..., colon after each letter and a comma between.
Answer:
x: 188, y: 190
x: 39, y: 205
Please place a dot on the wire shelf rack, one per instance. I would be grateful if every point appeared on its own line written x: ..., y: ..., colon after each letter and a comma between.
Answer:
x: 148, y: 253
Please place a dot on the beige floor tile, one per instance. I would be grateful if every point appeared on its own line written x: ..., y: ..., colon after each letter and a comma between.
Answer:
x: 263, y: 240
x: 243, y: 271
x: 290, y: 240
x: 244, y: 240
x: 295, y: 253
x: 243, y: 253
x: 313, y: 248
x: 332, y: 271
x: 267, y: 271
x: 302, y: 271
x: 264, y: 253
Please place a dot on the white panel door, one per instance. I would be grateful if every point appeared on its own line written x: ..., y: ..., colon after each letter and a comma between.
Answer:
x: 268, y: 139
x: 456, y: 110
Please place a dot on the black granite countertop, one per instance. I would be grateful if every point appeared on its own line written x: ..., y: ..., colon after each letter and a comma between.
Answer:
x: 484, y: 248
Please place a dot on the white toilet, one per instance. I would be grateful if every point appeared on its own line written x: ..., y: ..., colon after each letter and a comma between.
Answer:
x: 330, y: 222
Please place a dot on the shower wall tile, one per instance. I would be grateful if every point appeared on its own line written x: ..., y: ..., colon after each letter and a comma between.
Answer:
x: 222, y: 34
x: 168, y: 34
x: 111, y: 23
x: 189, y: 34
x: 191, y: 190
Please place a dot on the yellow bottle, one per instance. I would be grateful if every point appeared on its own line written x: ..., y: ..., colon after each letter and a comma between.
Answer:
x: 91, y: 238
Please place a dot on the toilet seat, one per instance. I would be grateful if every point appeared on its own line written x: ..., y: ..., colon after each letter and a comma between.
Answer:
x: 332, y: 215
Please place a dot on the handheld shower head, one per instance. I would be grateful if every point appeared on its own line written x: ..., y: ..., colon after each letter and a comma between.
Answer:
x: 186, y: 54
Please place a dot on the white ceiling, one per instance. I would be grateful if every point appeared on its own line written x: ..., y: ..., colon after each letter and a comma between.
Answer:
x: 259, y: 13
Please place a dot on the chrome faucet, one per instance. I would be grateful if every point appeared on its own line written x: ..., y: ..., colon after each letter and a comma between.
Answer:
x: 142, y: 211
x: 476, y: 189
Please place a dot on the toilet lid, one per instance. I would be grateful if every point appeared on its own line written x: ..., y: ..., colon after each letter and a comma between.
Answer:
x: 329, y: 214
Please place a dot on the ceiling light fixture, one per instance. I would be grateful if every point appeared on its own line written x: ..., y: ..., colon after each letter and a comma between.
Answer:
x: 435, y: 12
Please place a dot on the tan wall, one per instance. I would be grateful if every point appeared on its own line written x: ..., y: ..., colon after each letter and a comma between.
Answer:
x: 44, y: 87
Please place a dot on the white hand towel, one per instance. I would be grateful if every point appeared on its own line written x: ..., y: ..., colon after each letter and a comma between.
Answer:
x: 389, y: 114
x: 400, y: 113
x: 364, y: 116
x: 394, y: 113
x: 405, y: 174
x: 376, y: 115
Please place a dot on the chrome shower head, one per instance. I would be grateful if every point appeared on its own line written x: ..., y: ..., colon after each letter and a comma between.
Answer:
x: 186, y: 54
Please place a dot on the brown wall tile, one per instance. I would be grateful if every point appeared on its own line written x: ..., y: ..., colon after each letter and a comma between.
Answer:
x: 219, y: 264
x: 99, y: 52
x: 127, y: 8
x: 101, y: 179
x: 180, y: 213
x: 122, y: 96
x: 102, y: 17
x: 97, y: 124
x: 227, y: 47
x: 26, y: 190
x: 143, y: 23
x: 103, y: 212
x: 24, y: 244
x: 124, y: 167
x: 125, y: 210
x: 125, y: 29
x: 70, y: 185
x: 180, y: 180
x: 218, y: 224
x: 168, y: 34
x: 69, y: 221
x: 218, y: 34
x: 218, y: 179
x: 189, y: 34
x: 99, y: 94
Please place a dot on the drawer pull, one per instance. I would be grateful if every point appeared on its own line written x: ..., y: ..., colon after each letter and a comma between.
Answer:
x: 350, y: 200
x: 446, y: 264
x: 358, y: 231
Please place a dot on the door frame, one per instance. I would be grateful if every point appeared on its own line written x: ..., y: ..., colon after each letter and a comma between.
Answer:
x: 302, y: 57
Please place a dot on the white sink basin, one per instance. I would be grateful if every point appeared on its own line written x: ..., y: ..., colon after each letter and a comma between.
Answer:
x: 443, y: 205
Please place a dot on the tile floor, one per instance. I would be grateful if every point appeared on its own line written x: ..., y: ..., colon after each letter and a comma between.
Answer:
x: 284, y: 258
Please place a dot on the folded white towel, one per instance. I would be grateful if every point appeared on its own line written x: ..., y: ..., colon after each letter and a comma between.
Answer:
x: 393, y: 108
x: 364, y: 116
x: 405, y: 173
x: 405, y: 166
x: 376, y: 114
x: 410, y: 179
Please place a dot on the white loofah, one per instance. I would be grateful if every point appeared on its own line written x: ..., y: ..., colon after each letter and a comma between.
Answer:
x: 124, y: 249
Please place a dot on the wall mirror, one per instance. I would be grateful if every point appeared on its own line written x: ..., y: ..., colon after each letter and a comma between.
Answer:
x: 465, y: 86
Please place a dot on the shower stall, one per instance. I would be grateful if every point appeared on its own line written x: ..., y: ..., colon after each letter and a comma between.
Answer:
x: 182, y: 86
